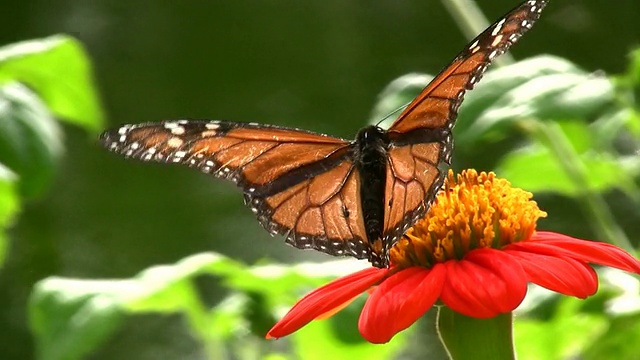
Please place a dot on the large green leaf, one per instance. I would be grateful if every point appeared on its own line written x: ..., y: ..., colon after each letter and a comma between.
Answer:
x: 567, y: 95
x: 30, y: 138
x: 499, y: 81
x: 58, y: 69
x: 71, y: 317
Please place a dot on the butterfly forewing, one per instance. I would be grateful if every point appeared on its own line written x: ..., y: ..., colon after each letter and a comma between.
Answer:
x: 437, y: 105
x: 248, y: 154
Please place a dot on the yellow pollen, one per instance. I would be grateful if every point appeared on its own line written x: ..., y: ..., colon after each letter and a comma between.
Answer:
x: 471, y: 211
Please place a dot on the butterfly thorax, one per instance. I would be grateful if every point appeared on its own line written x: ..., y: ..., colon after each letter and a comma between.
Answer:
x: 371, y: 146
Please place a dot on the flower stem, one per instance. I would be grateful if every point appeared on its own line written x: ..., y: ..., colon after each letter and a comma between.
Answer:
x: 467, y: 338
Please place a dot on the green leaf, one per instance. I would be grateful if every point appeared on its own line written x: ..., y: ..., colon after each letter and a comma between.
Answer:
x: 518, y: 167
x: 621, y: 301
x: 283, y: 284
x: 30, y: 139
x: 604, y: 326
x: 167, y: 288
x: 621, y: 341
x: 59, y: 70
x: 549, y: 97
x: 319, y: 340
x: 563, y: 336
x: 71, y: 317
x: 633, y: 74
x: 9, y: 206
x: 499, y: 81
x: 605, y: 171
x: 56, y: 303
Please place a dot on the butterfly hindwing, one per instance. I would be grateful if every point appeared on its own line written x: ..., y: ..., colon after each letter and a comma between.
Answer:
x: 413, y: 178
x: 322, y: 213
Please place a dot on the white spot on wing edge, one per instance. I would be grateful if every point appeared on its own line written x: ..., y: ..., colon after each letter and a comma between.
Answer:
x: 498, y: 27
x: 175, y: 142
x: 178, y: 130
x: 496, y: 40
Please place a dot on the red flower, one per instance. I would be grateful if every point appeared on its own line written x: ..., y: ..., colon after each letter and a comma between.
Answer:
x: 475, y: 252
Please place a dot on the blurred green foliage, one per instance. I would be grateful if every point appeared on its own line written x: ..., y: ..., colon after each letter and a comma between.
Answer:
x: 39, y: 80
x: 548, y: 125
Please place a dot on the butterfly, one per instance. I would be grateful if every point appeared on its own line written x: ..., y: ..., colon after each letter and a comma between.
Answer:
x: 340, y: 197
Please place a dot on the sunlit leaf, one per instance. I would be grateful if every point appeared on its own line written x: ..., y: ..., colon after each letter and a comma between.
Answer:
x: 536, y: 169
x: 563, y: 336
x: 58, y: 69
x: 9, y: 206
x: 499, y: 81
x: 318, y: 340
x: 633, y: 74
x: 549, y: 97
x: 526, y: 167
x: 30, y: 138
x: 70, y: 317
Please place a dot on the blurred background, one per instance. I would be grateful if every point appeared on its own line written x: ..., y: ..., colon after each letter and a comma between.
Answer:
x: 317, y: 65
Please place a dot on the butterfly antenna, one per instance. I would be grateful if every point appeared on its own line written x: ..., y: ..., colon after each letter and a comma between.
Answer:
x: 401, y: 107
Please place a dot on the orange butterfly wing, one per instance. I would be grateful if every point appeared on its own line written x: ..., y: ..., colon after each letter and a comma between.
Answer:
x: 413, y: 174
x: 298, y: 183
x: 309, y: 186
x: 437, y: 105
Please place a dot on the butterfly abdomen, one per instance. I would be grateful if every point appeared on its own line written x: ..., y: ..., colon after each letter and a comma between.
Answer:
x: 372, y: 144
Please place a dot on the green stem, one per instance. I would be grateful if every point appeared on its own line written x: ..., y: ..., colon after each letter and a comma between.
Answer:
x: 472, y: 22
x: 467, y: 338
x: 592, y: 203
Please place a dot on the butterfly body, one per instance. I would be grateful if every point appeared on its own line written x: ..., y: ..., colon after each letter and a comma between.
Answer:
x: 340, y: 197
x: 370, y: 153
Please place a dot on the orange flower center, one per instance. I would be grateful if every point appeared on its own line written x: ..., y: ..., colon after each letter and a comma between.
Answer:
x: 472, y: 211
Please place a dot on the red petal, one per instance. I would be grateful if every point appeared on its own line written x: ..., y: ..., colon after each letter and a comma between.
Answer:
x: 326, y: 298
x: 399, y: 301
x: 485, y: 283
x: 561, y: 274
x: 549, y: 243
